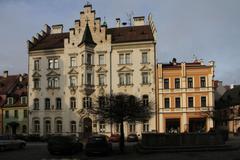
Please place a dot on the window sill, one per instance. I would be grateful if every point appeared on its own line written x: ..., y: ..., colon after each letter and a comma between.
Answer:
x: 36, y: 89
x: 53, y: 88
x: 52, y: 69
x: 125, y: 85
x: 125, y: 64
x: 144, y: 63
x: 146, y: 84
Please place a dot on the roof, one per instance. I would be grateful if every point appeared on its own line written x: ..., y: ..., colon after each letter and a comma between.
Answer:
x: 87, y: 37
x: 178, y: 65
x: 131, y: 34
x: 230, y: 98
x: 119, y: 35
x: 7, y: 83
x: 51, y: 41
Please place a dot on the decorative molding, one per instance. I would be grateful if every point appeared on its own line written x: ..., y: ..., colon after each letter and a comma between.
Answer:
x: 36, y: 75
x: 125, y: 69
x: 72, y: 71
x: 101, y: 70
x: 145, y: 68
x: 125, y: 51
x: 52, y: 74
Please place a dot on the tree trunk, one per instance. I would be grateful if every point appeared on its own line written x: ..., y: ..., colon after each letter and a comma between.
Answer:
x: 121, y: 144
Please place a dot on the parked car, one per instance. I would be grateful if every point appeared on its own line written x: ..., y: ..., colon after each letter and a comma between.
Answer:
x: 64, y: 145
x: 114, y: 138
x: 132, y: 138
x: 98, y: 144
x: 7, y: 143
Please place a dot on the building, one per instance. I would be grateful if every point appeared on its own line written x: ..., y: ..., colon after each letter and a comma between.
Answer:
x: 69, y: 71
x: 185, y: 96
x: 14, y: 107
x: 228, y: 110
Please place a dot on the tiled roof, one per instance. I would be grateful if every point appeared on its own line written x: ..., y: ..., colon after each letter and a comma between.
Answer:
x: 51, y: 41
x: 178, y: 65
x: 7, y: 83
x: 131, y: 34
x: 119, y: 35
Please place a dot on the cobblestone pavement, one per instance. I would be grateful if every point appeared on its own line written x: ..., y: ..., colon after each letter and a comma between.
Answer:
x: 38, y: 151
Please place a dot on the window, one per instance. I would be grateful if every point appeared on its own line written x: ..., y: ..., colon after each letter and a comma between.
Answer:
x: 124, y: 58
x: 177, y: 83
x: 25, y: 113
x: 58, y: 104
x: 121, y: 79
x: 89, y: 59
x: 117, y: 126
x: 203, y: 82
x: 101, y: 59
x: 145, y: 78
x: 6, y: 114
x: 72, y: 102
x: 145, y: 100
x: 121, y: 58
x: 36, y: 125
x: 56, y: 66
x: 177, y: 102
x: 128, y: 78
x: 101, y: 79
x: 132, y: 127
x: 73, y: 61
x: 23, y: 100
x: 101, y: 101
x: 53, y: 82
x: 24, y: 129
x: 53, y: 64
x: 10, y: 100
x: 36, y: 104
x: 73, y: 126
x: 73, y: 81
x: 166, y: 83
x: 89, y: 78
x: 166, y: 103
x: 203, y: 101
x: 47, y: 104
x: 190, y: 82
x: 145, y: 127
x: 87, y: 102
x: 58, y: 126
x: 144, y: 58
x: 127, y: 58
x: 15, y: 113
x: 102, y: 127
x: 190, y: 102
x: 36, y: 65
x: 47, y: 126
x: 36, y: 83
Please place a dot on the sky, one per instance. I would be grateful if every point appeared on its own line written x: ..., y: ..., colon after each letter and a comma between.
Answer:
x: 208, y: 29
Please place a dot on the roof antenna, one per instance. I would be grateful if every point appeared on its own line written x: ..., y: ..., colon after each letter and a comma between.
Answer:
x: 129, y: 16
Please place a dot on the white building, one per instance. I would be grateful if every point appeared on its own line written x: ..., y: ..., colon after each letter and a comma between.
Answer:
x: 68, y: 71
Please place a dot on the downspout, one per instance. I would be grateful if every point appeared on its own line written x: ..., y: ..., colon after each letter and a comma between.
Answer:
x: 156, y: 89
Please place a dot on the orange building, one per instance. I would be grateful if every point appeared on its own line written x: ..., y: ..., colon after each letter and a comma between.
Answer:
x: 185, y: 97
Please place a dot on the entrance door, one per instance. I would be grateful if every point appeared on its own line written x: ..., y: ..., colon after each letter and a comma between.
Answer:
x: 87, y: 127
x: 172, y: 125
x: 197, y: 125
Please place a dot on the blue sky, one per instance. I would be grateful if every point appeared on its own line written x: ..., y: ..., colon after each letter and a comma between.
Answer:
x: 209, y: 29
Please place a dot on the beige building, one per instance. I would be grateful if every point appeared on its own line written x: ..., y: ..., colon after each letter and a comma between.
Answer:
x: 185, y: 97
x: 69, y: 71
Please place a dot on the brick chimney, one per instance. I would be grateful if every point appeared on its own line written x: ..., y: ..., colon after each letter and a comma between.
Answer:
x: 5, y: 74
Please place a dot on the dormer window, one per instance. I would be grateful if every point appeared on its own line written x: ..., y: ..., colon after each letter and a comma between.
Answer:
x: 10, y: 100
x: 24, y: 100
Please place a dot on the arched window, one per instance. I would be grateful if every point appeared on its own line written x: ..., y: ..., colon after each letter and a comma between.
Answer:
x: 36, y: 104
x: 58, y: 126
x: 73, y: 126
x: 36, y: 126
x: 72, y: 102
x: 47, y: 126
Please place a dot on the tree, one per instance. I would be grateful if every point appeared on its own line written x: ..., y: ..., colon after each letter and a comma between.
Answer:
x: 122, y: 108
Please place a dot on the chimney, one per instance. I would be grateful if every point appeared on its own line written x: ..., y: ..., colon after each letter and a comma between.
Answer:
x: 231, y: 86
x: 5, y: 74
x: 57, y: 29
x: 174, y: 61
x: 118, y: 22
x: 138, y: 21
x: 20, y: 78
